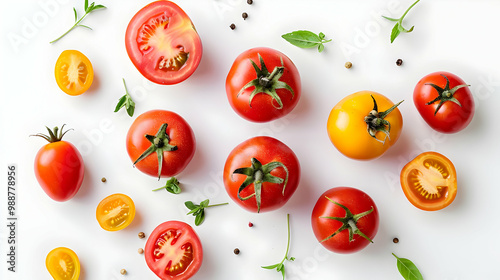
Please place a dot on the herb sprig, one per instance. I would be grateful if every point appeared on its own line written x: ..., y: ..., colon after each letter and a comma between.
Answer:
x: 306, y: 39
x: 408, y: 269
x: 198, y: 210
x: 126, y: 101
x: 172, y: 186
x: 398, y: 28
x: 280, y: 267
x: 88, y: 9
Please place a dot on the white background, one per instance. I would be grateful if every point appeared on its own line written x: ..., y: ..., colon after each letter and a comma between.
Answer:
x: 459, y: 242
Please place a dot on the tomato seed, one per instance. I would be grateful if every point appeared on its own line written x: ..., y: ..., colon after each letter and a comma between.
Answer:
x: 103, y: 179
x: 244, y: 15
x: 399, y: 62
x: 249, y: 2
x: 348, y: 65
x: 140, y: 251
x: 236, y: 251
x: 141, y: 235
x: 123, y: 272
x: 395, y: 240
x: 232, y: 26
x: 250, y: 224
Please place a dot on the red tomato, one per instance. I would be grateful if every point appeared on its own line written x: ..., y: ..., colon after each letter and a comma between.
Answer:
x: 263, y: 84
x: 173, y: 251
x: 261, y: 174
x: 444, y: 101
x: 59, y: 166
x: 345, y: 220
x: 160, y: 143
x: 163, y: 44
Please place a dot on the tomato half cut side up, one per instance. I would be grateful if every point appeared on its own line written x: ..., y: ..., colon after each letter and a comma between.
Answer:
x: 429, y: 181
x: 115, y: 212
x: 74, y: 73
x: 174, y: 251
x: 63, y: 264
x: 163, y: 44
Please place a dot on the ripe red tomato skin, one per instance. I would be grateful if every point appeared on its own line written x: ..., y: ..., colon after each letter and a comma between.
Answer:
x: 265, y: 149
x: 450, y: 118
x: 194, y: 240
x: 188, y: 38
x: 59, y: 169
x: 357, y: 202
x: 181, y: 135
x: 261, y: 109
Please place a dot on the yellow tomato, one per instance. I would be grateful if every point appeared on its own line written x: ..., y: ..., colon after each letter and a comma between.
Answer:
x: 63, y: 264
x: 74, y: 72
x: 115, y: 212
x: 356, y: 125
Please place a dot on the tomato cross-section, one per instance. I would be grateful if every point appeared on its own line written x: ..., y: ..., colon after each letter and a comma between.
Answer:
x: 429, y: 181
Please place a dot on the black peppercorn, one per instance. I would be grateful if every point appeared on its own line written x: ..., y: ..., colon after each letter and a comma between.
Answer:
x: 399, y: 62
x: 232, y: 26
x: 249, y: 2
x: 236, y: 251
x: 244, y: 15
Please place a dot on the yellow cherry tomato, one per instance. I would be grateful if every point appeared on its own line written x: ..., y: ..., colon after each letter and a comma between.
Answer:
x: 63, y: 264
x: 364, y: 125
x: 74, y: 72
x: 115, y: 212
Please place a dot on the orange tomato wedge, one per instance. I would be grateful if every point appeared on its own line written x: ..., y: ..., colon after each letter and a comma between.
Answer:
x: 429, y: 181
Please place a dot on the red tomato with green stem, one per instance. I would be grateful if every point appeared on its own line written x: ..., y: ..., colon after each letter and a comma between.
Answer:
x: 444, y: 101
x: 160, y: 143
x: 345, y: 220
x: 173, y: 251
x: 261, y: 174
x: 262, y: 85
x: 59, y: 167
x: 163, y: 44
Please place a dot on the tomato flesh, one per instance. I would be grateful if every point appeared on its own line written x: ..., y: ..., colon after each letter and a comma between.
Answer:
x: 74, y: 73
x: 429, y: 181
x: 173, y: 251
x: 63, y: 264
x: 115, y: 212
x: 163, y: 44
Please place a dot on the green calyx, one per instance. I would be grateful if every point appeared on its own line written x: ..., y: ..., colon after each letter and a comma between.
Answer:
x: 445, y: 94
x: 267, y: 82
x: 375, y: 121
x: 55, y: 135
x: 159, y: 144
x: 349, y: 222
x: 258, y: 174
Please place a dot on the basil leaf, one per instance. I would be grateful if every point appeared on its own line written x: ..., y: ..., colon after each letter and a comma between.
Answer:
x: 120, y: 104
x: 408, y: 269
x: 130, y: 111
x: 76, y: 14
x: 190, y: 205
x: 302, y: 39
x: 321, y: 47
x: 199, y: 218
x: 204, y: 203
x: 395, y: 32
x: 271, y: 266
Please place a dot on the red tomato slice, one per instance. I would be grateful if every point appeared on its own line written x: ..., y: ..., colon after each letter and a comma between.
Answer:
x: 173, y: 251
x: 163, y: 44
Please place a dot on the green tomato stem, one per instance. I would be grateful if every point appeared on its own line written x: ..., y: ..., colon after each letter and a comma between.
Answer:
x: 217, y: 204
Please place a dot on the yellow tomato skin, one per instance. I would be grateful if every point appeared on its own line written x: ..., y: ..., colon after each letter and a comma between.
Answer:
x: 74, y: 73
x: 348, y: 131
x: 63, y: 264
x: 115, y: 212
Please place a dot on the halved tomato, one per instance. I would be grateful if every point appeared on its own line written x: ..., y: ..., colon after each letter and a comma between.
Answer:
x: 173, y: 251
x: 63, y: 264
x: 429, y: 181
x: 115, y: 212
x: 74, y: 72
x: 163, y: 44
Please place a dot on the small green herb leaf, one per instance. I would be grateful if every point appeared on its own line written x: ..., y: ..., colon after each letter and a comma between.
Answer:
x: 398, y: 27
x: 172, y: 186
x: 408, y: 269
x: 198, y: 211
x: 280, y: 267
x: 88, y: 9
x: 126, y: 101
x: 306, y: 39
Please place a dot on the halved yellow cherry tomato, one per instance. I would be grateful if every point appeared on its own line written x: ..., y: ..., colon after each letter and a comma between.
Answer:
x: 115, y: 212
x: 63, y: 264
x: 364, y: 125
x: 429, y: 181
x: 74, y: 72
